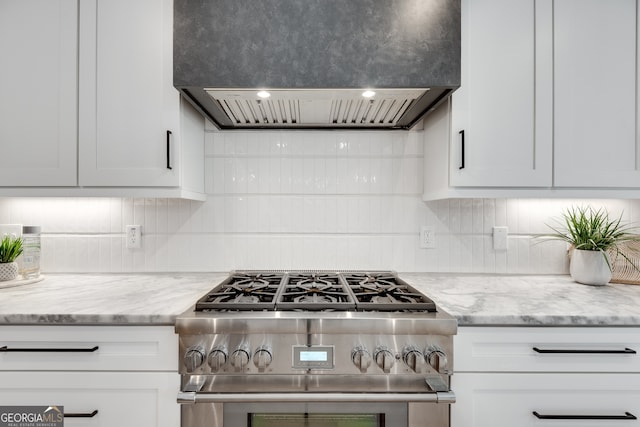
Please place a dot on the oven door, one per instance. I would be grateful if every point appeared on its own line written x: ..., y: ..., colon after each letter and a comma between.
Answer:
x: 313, y: 410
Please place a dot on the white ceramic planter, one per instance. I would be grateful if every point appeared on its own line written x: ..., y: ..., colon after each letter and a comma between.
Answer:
x: 589, y: 267
x: 8, y: 271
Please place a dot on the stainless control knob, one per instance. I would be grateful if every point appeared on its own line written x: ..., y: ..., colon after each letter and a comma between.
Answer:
x: 437, y: 359
x: 193, y: 358
x: 384, y: 358
x: 262, y: 357
x: 413, y: 358
x: 361, y: 358
x: 239, y: 359
x: 217, y: 359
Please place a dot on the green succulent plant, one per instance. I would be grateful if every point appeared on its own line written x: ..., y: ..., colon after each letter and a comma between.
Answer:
x: 10, y: 249
x: 591, y: 229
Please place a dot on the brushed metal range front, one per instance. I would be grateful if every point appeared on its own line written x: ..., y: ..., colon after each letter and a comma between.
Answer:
x: 389, y: 366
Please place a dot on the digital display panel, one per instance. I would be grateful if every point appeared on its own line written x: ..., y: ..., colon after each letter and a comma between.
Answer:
x: 313, y: 356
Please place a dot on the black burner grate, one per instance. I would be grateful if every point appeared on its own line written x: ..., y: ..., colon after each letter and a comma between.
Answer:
x: 314, y: 291
x: 383, y: 291
x: 243, y: 291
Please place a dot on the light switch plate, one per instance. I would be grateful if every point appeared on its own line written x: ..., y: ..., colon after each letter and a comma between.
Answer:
x: 500, y: 235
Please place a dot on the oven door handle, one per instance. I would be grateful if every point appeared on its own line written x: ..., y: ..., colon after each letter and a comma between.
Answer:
x: 186, y: 397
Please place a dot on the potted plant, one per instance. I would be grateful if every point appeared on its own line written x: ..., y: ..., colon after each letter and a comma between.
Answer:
x: 593, y: 236
x: 10, y: 249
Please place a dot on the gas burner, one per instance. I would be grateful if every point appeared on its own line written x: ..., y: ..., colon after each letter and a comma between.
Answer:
x: 243, y: 291
x: 314, y: 292
x: 386, y: 292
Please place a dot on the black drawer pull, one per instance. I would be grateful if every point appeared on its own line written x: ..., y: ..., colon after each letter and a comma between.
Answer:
x: 626, y: 416
x: 461, y: 149
x: 50, y: 350
x: 555, y: 351
x: 169, y: 150
x: 89, y: 415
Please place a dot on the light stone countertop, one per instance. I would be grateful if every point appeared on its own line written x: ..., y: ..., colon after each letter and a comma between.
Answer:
x: 111, y: 299
x: 523, y: 300
x: 474, y: 299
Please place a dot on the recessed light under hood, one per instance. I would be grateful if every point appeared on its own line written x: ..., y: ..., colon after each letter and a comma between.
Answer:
x: 315, y: 59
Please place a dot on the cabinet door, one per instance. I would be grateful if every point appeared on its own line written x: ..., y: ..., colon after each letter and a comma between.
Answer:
x: 509, y: 400
x: 127, y: 99
x: 596, y: 141
x: 120, y: 399
x: 502, y: 110
x: 38, y: 87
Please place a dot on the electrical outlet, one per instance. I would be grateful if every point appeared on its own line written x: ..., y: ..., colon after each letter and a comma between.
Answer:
x: 427, y: 237
x: 133, y: 236
x: 500, y: 235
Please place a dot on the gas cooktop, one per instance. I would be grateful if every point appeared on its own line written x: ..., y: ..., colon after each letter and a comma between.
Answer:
x: 314, y: 291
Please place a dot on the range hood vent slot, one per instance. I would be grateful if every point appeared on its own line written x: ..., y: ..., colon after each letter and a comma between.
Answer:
x: 315, y: 108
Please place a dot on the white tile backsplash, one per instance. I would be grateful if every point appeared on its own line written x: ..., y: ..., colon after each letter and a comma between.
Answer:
x: 312, y: 199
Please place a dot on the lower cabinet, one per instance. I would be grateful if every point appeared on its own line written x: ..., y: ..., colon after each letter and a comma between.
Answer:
x: 525, y: 399
x: 103, y: 376
x: 105, y: 399
x: 546, y: 376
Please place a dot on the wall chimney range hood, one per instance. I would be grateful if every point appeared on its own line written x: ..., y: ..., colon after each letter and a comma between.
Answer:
x: 316, y: 64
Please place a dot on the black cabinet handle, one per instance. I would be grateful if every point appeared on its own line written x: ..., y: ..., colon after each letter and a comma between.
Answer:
x: 86, y: 415
x: 461, y: 149
x: 49, y: 350
x: 626, y: 416
x: 555, y: 351
x: 169, y: 150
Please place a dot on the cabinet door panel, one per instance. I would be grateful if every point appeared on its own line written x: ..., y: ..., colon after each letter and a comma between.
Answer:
x: 121, y: 399
x: 595, y: 94
x: 506, y: 140
x: 38, y: 87
x: 127, y: 98
x: 509, y: 400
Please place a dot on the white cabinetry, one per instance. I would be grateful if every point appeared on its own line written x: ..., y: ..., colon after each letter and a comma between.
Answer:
x: 38, y: 92
x: 507, y: 141
x: 132, y: 133
x: 547, y: 103
x: 595, y: 91
x: 505, y: 376
x: 130, y: 379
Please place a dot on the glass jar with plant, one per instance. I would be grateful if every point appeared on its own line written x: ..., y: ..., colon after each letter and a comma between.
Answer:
x: 593, y: 237
x: 10, y: 249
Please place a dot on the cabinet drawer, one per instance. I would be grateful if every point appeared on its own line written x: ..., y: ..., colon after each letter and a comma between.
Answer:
x: 547, y: 349
x: 511, y: 399
x: 120, y: 399
x: 88, y: 348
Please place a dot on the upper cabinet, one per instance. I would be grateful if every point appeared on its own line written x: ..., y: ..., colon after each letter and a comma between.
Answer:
x: 595, y: 91
x: 129, y: 110
x: 39, y: 95
x: 498, y: 136
x: 547, y: 106
x: 132, y: 133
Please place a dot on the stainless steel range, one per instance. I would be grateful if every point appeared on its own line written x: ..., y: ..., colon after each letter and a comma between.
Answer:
x: 316, y: 349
